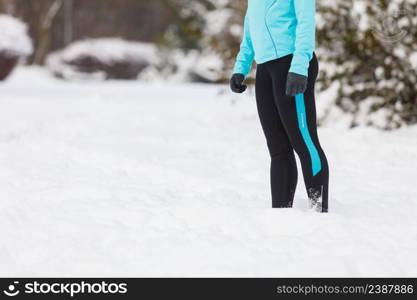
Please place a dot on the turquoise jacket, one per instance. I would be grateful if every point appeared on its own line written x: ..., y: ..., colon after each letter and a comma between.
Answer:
x: 276, y: 28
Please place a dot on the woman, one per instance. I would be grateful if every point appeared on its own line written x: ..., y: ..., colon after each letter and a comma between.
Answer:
x: 280, y: 36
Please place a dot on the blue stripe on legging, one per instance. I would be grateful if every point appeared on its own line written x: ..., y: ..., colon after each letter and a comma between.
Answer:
x: 302, y: 124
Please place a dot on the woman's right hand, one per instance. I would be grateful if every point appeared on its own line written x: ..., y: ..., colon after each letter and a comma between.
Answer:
x: 236, y: 83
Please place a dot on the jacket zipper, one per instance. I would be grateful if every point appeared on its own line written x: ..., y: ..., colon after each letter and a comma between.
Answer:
x: 267, y: 27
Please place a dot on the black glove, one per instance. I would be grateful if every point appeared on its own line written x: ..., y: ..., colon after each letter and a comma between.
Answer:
x: 296, y: 84
x: 236, y: 83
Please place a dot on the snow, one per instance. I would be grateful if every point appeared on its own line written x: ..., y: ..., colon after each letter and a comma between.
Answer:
x: 14, y: 37
x: 104, y: 50
x: 109, y: 49
x: 157, y: 179
x: 413, y: 59
x: 217, y: 20
x: 178, y: 66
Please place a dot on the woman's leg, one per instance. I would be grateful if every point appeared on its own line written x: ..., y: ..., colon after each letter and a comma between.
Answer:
x: 298, y: 115
x: 283, y: 165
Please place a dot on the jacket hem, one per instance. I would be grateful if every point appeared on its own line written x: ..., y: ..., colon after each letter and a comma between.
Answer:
x: 268, y: 58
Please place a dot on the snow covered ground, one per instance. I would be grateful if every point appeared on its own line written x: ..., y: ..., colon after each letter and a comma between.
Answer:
x: 147, y: 179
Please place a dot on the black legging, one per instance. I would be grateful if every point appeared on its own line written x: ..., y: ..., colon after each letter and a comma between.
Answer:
x: 289, y: 123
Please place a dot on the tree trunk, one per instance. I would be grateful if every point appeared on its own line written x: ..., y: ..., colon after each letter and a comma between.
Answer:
x: 6, y: 6
x: 44, y: 34
x: 68, y: 21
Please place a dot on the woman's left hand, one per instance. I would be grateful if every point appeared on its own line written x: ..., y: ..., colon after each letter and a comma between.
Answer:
x: 296, y: 84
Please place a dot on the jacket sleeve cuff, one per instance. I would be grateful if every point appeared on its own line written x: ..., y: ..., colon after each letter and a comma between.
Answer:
x: 300, y: 63
x: 241, y: 69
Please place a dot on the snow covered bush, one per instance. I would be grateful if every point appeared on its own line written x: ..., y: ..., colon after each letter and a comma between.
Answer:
x: 106, y: 58
x: 185, y: 66
x: 369, y: 50
x: 14, y: 44
x: 200, y: 29
x: 223, y: 33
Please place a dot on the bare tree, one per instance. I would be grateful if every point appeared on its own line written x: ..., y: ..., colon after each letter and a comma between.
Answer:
x: 68, y: 21
x: 44, y: 36
x: 6, y: 6
x: 53, y: 24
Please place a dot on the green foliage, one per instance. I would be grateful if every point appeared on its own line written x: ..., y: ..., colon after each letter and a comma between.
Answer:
x: 187, y: 23
x: 366, y: 46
